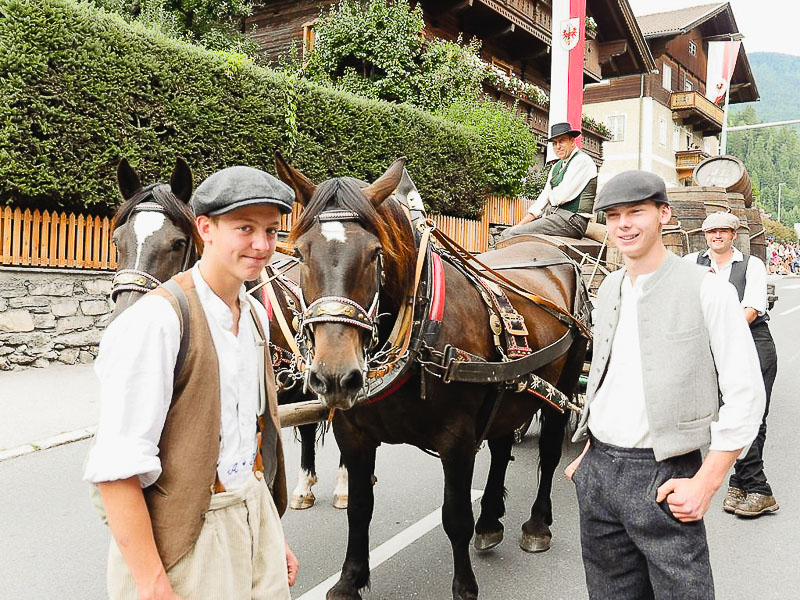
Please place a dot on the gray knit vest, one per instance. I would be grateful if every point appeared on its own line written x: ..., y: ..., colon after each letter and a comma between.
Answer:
x: 678, y: 371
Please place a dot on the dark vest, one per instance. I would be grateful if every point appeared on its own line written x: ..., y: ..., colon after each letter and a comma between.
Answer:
x: 189, y: 444
x: 738, y: 278
x: 584, y: 201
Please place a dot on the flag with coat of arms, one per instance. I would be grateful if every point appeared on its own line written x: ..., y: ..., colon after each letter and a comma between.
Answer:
x: 721, y: 63
x: 566, y: 65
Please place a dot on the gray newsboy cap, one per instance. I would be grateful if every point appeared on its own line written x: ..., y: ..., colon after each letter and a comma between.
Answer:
x: 720, y: 220
x: 236, y: 187
x: 629, y: 187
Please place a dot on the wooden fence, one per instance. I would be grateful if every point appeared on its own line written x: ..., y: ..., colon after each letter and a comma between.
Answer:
x: 55, y: 240
x: 84, y: 242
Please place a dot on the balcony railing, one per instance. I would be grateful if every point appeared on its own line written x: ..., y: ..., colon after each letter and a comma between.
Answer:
x: 696, y: 110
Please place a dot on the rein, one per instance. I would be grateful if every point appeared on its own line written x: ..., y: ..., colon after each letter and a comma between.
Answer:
x: 135, y: 280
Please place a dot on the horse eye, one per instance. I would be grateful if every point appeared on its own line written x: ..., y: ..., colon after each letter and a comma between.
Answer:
x: 297, y: 255
x: 178, y: 245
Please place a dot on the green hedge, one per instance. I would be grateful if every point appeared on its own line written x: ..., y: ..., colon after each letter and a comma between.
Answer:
x: 79, y: 89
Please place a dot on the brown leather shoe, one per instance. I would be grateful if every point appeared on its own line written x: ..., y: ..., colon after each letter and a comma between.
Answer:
x: 733, y: 499
x: 756, y: 505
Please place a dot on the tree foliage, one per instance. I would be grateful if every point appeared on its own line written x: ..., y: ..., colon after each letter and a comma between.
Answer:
x: 772, y: 157
x: 80, y: 89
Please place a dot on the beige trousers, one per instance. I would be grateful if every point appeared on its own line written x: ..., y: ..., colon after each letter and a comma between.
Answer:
x: 239, y: 555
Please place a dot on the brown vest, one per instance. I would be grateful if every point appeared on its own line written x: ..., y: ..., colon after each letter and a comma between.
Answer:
x: 189, y: 444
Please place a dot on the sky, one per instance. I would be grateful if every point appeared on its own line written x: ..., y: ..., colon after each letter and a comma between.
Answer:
x: 767, y: 25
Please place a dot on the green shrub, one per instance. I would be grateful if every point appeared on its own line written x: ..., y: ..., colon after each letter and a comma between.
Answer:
x: 80, y: 89
x: 779, y: 231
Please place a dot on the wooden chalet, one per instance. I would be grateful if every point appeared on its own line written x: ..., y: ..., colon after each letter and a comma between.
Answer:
x: 662, y: 121
x: 515, y: 36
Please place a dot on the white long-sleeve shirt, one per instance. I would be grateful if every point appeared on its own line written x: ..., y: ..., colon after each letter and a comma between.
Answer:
x: 619, y: 415
x: 580, y: 171
x: 755, y: 289
x: 135, y: 367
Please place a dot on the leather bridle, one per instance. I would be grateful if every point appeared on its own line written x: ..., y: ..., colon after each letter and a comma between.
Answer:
x: 135, y: 280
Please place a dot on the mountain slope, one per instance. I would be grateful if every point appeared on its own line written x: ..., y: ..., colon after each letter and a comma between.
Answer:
x: 778, y: 79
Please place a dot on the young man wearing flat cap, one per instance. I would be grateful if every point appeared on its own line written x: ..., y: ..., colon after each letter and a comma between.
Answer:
x: 565, y: 204
x: 669, y: 339
x: 188, y: 459
x: 749, y: 494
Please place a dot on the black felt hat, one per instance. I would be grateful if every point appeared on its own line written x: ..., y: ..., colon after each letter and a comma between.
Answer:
x: 560, y: 129
x: 629, y: 187
x: 236, y: 187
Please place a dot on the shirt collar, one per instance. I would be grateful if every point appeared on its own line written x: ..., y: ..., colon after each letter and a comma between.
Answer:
x: 214, y: 304
x: 737, y: 255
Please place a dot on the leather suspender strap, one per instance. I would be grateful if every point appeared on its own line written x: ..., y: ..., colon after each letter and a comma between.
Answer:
x: 279, y: 317
x: 183, y: 304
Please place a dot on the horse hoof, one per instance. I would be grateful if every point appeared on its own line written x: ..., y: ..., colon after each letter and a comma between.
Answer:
x: 487, y: 541
x: 535, y: 543
x: 340, y: 501
x: 302, y: 502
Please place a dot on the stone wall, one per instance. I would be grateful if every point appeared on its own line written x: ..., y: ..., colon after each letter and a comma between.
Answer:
x: 51, y: 315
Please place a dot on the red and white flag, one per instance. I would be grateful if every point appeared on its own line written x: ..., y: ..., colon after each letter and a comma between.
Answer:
x: 721, y: 62
x: 566, y: 72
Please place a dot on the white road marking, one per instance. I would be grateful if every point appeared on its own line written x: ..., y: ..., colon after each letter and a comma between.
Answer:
x: 334, y: 231
x: 388, y: 549
x: 145, y: 225
x: 796, y: 286
x: 791, y: 310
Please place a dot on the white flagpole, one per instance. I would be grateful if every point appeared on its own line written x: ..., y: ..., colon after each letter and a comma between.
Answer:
x: 723, y: 142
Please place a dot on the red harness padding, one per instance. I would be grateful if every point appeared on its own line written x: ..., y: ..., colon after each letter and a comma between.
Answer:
x: 266, y: 302
x: 437, y: 300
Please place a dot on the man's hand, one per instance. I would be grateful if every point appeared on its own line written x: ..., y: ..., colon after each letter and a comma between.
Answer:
x: 573, y: 466
x: 689, y: 499
x: 161, y: 590
x: 292, y: 564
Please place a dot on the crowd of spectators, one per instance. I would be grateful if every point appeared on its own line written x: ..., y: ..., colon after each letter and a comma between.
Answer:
x: 783, y: 259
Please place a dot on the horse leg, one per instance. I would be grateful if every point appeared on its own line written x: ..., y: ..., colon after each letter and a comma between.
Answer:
x: 302, y: 496
x: 458, y: 464
x: 360, y: 463
x: 340, y: 491
x: 489, y: 529
x: 536, y: 533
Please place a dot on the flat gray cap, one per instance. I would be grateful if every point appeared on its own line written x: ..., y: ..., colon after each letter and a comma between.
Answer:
x: 236, y: 187
x: 721, y: 220
x: 629, y: 187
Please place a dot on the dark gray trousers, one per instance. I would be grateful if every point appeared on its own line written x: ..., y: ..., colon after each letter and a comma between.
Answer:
x: 748, y: 472
x: 632, y: 547
x: 554, y: 221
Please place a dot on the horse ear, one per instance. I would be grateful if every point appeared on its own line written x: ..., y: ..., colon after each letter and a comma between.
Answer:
x: 181, y: 181
x: 303, y: 187
x: 127, y: 179
x: 383, y: 186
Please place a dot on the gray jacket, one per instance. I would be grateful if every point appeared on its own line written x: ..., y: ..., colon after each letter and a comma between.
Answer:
x: 678, y: 372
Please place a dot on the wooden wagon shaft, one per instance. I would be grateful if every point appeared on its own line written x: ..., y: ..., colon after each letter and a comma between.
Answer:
x: 302, y: 413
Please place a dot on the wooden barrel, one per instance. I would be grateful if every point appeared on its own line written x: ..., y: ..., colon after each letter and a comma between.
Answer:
x: 742, y: 241
x: 672, y: 236
x: 758, y: 241
x: 727, y: 172
x: 691, y: 205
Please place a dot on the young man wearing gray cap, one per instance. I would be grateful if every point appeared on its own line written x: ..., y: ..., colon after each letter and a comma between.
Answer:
x: 669, y: 338
x: 565, y: 204
x: 188, y: 459
x: 749, y: 494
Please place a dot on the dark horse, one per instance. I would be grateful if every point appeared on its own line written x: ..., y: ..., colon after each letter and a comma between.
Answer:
x: 347, y: 261
x: 156, y: 238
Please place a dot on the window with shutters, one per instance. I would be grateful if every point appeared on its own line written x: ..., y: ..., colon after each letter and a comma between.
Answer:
x: 666, y: 77
x: 616, y: 124
x: 309, y: 37
x: 692, y: 48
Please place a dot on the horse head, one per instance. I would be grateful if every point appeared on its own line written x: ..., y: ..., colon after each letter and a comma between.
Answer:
x: 356, y: 249
x: 155, y: 234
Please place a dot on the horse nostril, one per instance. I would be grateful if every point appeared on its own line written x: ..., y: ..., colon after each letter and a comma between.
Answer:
x: 317, y: 382
x: 352, y: 381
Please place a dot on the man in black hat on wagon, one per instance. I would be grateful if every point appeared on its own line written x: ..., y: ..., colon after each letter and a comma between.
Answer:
x: 565, y: 204
x: 670, y: 340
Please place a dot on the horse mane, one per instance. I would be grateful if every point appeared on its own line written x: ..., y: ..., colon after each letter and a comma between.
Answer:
x: 388, y: 222
x: 177, y: 211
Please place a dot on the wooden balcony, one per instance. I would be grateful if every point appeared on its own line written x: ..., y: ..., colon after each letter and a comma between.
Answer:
x: 697, y: 111
x: 687, y: 160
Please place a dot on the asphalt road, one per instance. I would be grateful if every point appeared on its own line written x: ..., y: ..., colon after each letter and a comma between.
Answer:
x: 54, y: 546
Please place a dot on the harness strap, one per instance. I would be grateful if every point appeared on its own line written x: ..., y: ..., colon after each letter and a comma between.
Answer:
x: 549, y: 306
